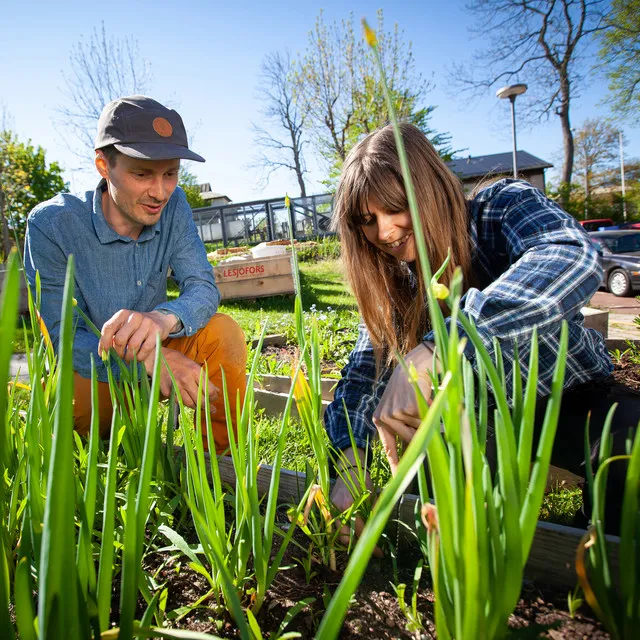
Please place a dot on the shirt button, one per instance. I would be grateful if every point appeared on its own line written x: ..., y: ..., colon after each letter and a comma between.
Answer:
x: 139, y: 283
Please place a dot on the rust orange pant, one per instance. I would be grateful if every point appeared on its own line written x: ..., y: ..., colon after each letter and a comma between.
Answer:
x: 220, y: 344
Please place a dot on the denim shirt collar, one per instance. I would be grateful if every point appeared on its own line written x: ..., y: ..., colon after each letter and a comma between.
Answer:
x: 104, y: 232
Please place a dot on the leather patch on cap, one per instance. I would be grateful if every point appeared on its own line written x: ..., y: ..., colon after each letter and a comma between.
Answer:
x: 162, y: 127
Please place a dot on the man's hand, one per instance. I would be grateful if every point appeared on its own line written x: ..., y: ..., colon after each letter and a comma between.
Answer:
x: 397, y: 414
x: 133, y: 333
x: 187, y: 375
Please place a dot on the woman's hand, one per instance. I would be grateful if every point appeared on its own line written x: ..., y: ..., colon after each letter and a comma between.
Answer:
x: 398, y: 414
x: 342, y: 496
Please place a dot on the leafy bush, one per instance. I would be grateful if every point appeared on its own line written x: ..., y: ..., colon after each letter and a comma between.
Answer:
x: 323, y: 248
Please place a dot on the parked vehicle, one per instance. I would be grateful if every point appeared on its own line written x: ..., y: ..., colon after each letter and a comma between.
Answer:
x: 594, y: 225
x: 619, y: 253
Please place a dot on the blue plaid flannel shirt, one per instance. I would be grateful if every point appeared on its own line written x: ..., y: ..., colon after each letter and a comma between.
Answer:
x: 534, y: 266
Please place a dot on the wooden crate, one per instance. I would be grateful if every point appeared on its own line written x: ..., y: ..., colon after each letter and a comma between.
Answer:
x: 255, y: 278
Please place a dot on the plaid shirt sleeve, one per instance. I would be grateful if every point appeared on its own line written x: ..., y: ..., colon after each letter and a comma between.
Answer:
x: 359, y: 391
x: 543, y: 269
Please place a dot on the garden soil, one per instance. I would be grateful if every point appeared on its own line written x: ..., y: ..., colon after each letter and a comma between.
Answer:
x: 628, y: 373
x: 541, y: 613
x: 374, y: 613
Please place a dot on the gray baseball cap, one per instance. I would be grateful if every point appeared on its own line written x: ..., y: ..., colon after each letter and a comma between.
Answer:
x: 141, y: 127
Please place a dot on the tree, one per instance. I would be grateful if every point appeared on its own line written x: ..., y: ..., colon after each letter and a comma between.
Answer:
x: 542, y: 43
x: 25, y: 180
x: 191, y: 188
x: 596, y: 146
x: 339, y: 80
x: 5, y: 120
x: 101, y: 70
x: 286, y: 109
x: 620, y: 51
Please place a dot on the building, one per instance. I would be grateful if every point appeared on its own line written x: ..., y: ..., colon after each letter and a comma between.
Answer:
x: 476, y: 169
x: 211, y: 197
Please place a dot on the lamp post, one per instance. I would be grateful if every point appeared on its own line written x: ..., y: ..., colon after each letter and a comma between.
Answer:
x: 624, y: 202
x: 512, y: 91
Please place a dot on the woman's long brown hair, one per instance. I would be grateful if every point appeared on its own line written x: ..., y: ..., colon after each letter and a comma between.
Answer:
x: 395, y: 315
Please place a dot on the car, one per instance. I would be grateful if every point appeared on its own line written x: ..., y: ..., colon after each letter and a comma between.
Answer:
x: 619, y: 253
x: 595, y: 224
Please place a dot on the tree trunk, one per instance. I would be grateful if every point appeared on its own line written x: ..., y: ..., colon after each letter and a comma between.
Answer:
x: 567, y: 138
x: 303, y: 188
x: 297, y: 162
x: 567, y: 165
x: 587, y: 191
x: 6, y: 242
x: 299, y: 174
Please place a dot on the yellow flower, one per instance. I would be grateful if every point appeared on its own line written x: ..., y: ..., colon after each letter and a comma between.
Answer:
x: 440, y: 291
x: 19, y: 385
x: 75, y: 302
x: 287, y: 201
x: 43, y: 330
x: 369, y: 34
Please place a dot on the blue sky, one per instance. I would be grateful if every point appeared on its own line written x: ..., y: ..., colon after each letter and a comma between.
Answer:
x: 205, y: 59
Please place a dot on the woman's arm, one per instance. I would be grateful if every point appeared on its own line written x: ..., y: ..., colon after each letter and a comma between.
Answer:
x: 550, y: 270
x: 360, y: 392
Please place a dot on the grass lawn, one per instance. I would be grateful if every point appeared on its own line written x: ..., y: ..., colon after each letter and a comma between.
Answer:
x: 19, y: 341
x: 323, y: 288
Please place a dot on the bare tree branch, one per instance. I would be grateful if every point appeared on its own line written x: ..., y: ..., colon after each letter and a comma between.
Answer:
x: 100, y: 70
x: 340, y: 81
x: 286, y: 108
x: 542, y: 43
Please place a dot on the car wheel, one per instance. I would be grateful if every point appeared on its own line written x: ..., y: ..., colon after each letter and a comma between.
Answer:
x: 619, y: 283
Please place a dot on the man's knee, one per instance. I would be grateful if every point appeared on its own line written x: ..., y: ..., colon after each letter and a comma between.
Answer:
x: 83, y: 409
x: 223, y: 335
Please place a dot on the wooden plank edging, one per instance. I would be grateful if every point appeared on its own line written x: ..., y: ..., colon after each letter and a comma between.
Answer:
x: 621, y: 343
x: 552, y: 558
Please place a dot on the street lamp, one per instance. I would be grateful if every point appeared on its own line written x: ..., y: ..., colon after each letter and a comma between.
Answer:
x: 512, y: 91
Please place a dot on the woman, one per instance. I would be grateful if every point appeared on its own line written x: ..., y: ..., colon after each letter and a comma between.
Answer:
x: 525, y: 262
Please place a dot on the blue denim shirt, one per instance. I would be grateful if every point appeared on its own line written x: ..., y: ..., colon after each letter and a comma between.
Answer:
x: 114, y: 272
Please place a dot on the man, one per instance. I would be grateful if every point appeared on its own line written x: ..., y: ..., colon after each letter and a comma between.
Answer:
x: 125, y: 236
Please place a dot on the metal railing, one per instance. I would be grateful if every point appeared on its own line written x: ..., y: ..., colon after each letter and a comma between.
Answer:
x: 264, y: 220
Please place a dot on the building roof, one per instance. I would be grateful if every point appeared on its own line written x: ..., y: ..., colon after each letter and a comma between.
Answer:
x: 496, y: 163
x: 212, y: 195
x: 208, y: 194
